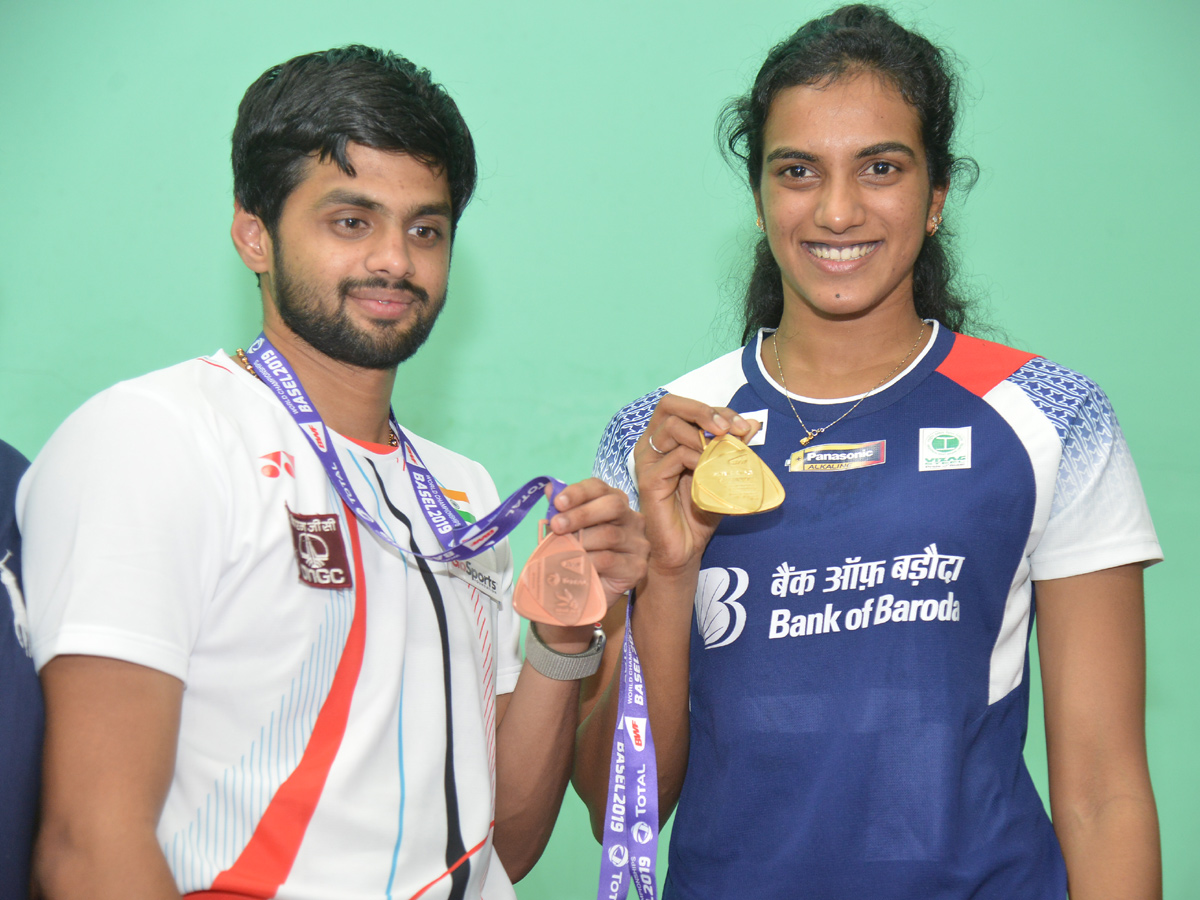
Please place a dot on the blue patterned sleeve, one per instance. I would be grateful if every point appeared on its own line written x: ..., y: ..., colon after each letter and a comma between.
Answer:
x: 623, y: 431
x: 1098, y: 518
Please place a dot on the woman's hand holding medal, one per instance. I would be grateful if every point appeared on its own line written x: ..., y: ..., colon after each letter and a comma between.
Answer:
x: 666, y: 458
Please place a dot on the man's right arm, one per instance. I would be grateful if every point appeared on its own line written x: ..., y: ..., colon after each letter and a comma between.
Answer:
x: 111, y: 733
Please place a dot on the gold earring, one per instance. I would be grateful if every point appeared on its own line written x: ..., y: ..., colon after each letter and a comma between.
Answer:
x: 936, y: 222
x: 760, y: 225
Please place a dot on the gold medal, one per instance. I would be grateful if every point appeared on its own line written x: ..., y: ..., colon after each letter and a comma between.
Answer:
x: 731, y: 479
x: 559, y: 585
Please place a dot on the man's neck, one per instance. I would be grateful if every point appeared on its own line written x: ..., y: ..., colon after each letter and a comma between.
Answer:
x: 351, y: 400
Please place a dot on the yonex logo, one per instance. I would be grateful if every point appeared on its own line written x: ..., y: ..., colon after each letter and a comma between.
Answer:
x: 277, y: 463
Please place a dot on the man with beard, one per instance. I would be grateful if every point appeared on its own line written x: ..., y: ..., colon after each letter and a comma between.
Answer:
x: 257, y: 684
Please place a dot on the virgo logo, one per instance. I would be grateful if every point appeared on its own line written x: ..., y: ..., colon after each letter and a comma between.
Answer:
x: 719, y: 617
x: 641, y: 832
x: 618, y: 855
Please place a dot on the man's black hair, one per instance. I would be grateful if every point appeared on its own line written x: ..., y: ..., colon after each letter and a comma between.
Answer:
x: 314, y: 105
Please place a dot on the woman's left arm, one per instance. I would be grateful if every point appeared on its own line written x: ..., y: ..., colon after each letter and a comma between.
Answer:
x: 1092, y: 645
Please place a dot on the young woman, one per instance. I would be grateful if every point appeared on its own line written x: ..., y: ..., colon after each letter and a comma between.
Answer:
x: 846, y: 716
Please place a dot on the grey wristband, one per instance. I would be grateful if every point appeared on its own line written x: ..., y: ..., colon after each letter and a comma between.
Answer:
x: 563, y: 666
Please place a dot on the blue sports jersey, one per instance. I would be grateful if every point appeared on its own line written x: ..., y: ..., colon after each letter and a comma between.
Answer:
x: 859, y: 656
x: 20, y: 699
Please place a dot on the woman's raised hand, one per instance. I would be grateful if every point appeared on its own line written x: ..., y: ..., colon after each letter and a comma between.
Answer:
x: 664, y: 458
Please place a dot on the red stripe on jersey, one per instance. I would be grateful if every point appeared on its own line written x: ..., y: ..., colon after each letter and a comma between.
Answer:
x: 979, y: 365
x: 462, y: 859
x: 213, y: 364
x: 267, y: 859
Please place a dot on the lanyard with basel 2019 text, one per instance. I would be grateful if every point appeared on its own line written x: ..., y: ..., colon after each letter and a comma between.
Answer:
x: 459, y: 539
x: 631, y: 816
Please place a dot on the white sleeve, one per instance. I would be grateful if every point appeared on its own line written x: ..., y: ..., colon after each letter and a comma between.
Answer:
x: 1098, y: 518
x: 123, y: 515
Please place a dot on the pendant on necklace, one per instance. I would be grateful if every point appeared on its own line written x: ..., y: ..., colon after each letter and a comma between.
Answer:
x: 807, y: 439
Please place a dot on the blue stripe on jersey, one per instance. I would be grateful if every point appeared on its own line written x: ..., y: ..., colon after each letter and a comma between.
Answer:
x: 400, y: 763
x: 383, y: 520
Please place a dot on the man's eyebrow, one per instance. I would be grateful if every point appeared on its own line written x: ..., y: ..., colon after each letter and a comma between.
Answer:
x: 792, y: 153
x: 886, y: 147
x: 340, y: 197
x: 349, y: 198
x: 432, y: 209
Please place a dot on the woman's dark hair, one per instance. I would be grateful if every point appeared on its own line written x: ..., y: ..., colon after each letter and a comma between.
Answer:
x: 848, y: 40
x: 319, y: 103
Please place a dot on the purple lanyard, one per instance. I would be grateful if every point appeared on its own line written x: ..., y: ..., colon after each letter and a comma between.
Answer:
x: 631, y: 816
x: 459, y: 540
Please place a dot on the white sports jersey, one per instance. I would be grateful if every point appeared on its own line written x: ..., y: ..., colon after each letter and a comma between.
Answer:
x: 338, y: 724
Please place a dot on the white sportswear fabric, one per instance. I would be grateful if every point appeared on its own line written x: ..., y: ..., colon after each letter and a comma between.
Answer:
x: 157, y: 532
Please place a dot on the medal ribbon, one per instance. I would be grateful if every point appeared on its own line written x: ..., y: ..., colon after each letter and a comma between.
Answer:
x: 459, y: 539
x: 631, y: 816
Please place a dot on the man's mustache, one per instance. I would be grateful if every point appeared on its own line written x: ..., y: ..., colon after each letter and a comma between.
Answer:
x: 417, y: 292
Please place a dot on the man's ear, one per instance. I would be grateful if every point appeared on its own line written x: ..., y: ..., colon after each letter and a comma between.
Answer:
x: 251, y: 240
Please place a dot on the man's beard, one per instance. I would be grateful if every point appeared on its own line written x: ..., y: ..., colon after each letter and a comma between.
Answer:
x: 384, y: 346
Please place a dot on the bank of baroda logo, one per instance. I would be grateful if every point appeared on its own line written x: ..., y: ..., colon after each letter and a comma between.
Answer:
x: 944, y: 448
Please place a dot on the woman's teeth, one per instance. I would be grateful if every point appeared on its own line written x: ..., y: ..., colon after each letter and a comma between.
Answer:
x: 857, y: 251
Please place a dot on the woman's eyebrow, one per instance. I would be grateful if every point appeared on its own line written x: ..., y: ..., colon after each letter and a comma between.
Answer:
x: 886, y: 147
x: 791, y: 153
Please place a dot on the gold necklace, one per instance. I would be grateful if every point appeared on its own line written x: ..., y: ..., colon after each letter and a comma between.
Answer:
x: 393, y: 441
x: 809, y: 433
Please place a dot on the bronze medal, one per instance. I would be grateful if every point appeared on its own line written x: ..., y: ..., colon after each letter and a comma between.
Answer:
x: 559, y: 585
x: 731, y: 479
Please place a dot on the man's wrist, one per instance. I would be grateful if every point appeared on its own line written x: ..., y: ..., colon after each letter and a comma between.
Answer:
x: 559, y: 665
x: 565, y: 638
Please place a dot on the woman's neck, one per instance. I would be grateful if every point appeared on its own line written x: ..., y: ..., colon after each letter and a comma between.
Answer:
x: 826, y: 358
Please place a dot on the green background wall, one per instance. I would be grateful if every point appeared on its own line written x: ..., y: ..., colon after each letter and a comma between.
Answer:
x: 601, y: 254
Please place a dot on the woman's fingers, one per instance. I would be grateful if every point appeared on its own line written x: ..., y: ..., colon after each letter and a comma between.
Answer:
x: 678, y: 422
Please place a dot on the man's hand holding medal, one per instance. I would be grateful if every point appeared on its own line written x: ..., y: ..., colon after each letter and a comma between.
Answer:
x: 592, y: 551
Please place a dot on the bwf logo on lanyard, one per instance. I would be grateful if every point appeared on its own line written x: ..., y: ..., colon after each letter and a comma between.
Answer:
x: 631, y: 816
